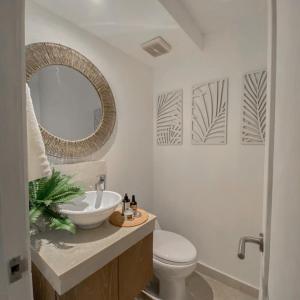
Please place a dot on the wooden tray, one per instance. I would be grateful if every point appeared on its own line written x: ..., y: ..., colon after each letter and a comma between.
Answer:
x: 118, y: 220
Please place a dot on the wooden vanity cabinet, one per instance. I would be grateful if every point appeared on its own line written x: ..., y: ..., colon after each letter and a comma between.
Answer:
x: 135, y: 268
x: 121, y: 279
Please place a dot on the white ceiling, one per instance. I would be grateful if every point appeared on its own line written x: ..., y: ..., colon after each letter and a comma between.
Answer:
x: 218, y: 15
x: 126, y: 24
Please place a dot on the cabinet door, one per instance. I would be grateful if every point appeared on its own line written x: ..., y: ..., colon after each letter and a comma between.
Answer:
x: 102, y: 285
x: 42, y: 290
x: 135, y: 268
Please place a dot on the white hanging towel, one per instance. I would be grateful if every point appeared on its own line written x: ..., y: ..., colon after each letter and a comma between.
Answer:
x: 38, y: 164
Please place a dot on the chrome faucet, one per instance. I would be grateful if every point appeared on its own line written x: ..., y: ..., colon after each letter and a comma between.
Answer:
x: 101, y: 183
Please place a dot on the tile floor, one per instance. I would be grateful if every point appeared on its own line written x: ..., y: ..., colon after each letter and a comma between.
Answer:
x: 201, y: 287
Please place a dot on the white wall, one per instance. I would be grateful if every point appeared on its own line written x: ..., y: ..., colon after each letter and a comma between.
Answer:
x: 213, y: 194
x: 285, y: 237
x: 129, y: 152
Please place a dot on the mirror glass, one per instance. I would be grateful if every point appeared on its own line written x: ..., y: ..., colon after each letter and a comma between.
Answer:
x: 65, y: 102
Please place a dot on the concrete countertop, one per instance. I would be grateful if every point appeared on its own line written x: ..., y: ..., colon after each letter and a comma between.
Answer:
x: 65, y: 259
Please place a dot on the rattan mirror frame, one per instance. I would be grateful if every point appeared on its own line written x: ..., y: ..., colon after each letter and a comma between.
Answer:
x: 40, y: 55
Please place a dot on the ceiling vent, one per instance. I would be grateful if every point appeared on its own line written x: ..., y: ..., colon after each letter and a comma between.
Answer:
x: 157, y: 46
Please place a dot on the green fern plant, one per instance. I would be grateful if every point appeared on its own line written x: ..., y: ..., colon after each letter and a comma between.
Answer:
x: 45, y: 194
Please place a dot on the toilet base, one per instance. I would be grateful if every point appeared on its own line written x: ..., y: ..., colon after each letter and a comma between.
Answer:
x: 172, y: 289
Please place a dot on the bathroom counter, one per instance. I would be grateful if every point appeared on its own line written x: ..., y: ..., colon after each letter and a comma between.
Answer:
x: 65, y: 259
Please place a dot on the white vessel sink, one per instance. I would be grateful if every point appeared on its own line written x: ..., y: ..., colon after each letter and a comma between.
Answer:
x: 91, y: 210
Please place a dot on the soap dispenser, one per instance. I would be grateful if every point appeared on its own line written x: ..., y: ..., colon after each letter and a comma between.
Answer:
x: 133, y: 205
x: 126, y: 203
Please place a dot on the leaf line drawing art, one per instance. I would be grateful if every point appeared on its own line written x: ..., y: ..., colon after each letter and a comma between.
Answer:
x: 254, y: 104
x: 209, y: 113
x: 169, y: 118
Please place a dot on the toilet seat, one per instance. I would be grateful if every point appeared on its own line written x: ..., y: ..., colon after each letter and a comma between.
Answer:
x: 173, y: 249
x: 171, y: 263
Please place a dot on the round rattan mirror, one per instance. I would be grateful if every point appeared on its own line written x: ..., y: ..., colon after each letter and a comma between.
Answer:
x: 73, y: 101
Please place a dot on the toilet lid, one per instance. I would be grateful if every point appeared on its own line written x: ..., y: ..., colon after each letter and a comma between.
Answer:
x: 173, y: 247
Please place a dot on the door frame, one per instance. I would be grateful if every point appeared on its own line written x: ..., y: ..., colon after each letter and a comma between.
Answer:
x: 14, y: 221
x: 269, y: 150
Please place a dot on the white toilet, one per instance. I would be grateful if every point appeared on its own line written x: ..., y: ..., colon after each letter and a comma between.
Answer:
x: 174, y: 259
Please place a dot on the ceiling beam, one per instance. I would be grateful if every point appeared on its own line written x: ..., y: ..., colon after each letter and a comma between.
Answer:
x: 182, y: 16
